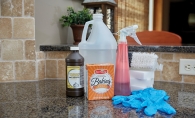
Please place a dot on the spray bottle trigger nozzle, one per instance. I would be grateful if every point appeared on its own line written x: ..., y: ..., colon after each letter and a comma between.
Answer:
x: 135, y: 26
x: 130, y: 31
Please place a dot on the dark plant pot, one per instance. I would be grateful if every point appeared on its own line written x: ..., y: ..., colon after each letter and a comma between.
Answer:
x: 77, y: 33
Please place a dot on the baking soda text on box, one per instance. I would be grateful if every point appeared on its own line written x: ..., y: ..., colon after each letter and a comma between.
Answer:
x: 100, y: 83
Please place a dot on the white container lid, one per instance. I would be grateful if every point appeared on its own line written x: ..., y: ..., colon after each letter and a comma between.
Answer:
x: 97, y: 16
x: 74, y: 48
x: 88, y: 1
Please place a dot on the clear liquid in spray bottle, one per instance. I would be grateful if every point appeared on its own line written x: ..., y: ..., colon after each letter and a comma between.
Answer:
x: 122, y: 77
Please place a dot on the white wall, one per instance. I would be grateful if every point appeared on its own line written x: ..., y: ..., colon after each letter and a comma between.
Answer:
x: 48, y: 29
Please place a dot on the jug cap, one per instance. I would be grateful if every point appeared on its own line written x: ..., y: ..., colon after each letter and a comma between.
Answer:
x: 97, y: 16
x: 74, y: 48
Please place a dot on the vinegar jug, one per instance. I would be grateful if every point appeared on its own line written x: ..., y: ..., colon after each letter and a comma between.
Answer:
x: 101, y: 45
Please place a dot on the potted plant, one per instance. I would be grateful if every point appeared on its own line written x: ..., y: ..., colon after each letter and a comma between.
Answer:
x: 76, y: 20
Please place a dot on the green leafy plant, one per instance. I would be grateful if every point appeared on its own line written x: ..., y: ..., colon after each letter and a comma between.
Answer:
x: 76, y: 18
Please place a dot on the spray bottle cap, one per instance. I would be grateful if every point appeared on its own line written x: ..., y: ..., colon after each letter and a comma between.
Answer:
x: 129, y: 31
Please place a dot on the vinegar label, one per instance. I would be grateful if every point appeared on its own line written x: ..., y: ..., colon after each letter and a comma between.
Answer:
x: 75, y: 77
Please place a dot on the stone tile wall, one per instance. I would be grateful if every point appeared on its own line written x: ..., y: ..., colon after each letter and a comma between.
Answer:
x: 55, y: 64
x: 170, y: 71
x: 20, y: 62
x: 18, y: 59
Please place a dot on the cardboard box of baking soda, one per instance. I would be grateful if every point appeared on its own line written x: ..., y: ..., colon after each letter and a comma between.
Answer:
x: 100, y: 83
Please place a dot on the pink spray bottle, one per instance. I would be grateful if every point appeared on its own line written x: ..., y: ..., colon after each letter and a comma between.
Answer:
x: 122, y: 77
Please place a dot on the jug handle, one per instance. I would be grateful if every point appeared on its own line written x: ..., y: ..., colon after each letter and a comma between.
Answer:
x: 85, y: 30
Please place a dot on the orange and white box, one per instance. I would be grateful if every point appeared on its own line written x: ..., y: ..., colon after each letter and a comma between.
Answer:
x: 100, y: 83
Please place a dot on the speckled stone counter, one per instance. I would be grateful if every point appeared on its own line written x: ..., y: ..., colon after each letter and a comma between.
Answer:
x: 55, y: 47
x: 152, y: 48
x: 47, y: 99
x: 131, y: 48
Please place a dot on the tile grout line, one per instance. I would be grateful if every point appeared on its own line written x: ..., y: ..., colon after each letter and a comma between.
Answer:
x: 173, y: 56
x: 36, y: 66
x: 12, y: 25
x: 45, y: 65
x: 182, y: 78
x: 0, y: 46
x: 36, y: 70
x: 0, y: 8
x: 44, y: 59
x: 56, y: 59
x: 57, y: 68
x: 1, y: 50
x: 14, y: 73
x: 22, y: 8
x: 21, y: 81
x: 44, y: 69
x: 24, y: 51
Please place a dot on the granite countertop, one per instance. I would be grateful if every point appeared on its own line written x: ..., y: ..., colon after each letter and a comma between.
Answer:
x: 132, y: 48
x: 47, y: 99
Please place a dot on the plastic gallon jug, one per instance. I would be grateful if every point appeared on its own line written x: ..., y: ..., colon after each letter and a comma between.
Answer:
x: 101, y: 45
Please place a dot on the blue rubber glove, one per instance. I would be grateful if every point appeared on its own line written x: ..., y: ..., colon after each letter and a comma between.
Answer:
x: 118, y: 99
x: 150, y: 110
x: 149, y: 98
x: 165, y: 107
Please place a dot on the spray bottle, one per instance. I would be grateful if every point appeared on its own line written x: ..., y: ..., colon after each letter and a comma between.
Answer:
x: 122, y: 77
